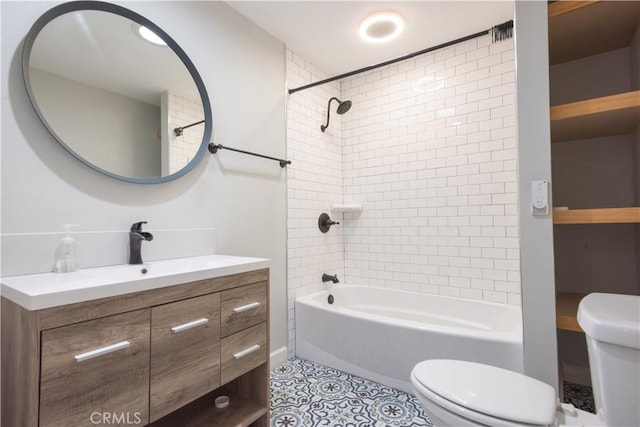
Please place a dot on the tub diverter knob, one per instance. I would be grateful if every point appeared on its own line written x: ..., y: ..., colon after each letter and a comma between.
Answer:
x: 325, y: 222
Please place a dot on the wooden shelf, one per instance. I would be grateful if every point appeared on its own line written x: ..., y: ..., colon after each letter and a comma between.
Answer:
x: 559, y: 8
x: 567, y: 311
x: 202, y: 413
x: 609, y: 115
x: 597, y: 216
x: 584, y: 28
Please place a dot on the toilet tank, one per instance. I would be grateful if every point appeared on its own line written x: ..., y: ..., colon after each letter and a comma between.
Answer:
x: 611, y: 323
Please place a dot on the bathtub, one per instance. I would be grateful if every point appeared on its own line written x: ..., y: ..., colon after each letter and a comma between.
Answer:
x: 380, y: 334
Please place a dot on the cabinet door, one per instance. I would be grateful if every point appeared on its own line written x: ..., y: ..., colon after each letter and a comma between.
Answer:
x: 185, y: 352
x: 243, y: 307
x: 95, y: 372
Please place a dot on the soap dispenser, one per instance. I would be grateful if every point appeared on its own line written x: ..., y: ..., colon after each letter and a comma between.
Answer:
x: 65, y: 260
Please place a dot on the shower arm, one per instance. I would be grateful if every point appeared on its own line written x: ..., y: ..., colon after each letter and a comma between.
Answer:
x: 324, y: 127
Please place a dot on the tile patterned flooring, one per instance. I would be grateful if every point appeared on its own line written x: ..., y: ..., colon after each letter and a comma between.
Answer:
x: 306, y: 394
x: 580, y: 396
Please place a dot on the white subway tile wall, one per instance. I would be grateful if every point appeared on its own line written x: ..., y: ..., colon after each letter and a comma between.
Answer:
x: 314, y: 182
x: 429, y: 149
x: 184, y: 111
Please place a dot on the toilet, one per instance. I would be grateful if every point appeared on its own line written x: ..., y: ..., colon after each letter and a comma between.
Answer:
x: 462, y: 393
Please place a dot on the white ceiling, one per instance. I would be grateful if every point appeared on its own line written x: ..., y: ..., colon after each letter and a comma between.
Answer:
x: 103, y: 50
x: 326, y: 32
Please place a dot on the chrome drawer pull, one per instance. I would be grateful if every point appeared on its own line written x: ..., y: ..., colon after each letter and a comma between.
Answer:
x: 246, y: 352
x: 102, y: 351
x: 246, y: 307
x: 199, y: 322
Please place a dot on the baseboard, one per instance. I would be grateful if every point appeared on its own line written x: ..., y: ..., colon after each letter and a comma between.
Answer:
x: 278, y: 357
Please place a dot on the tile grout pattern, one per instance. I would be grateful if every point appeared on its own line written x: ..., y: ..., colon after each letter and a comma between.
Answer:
x: 430, y: 150
x: 307, y: 394
x: 314, y: 182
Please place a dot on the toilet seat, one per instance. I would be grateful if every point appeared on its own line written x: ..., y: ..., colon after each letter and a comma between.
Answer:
x: 485, y: 394
x: 464, y: 413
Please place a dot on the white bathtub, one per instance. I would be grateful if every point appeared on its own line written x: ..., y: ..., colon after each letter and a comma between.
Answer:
x: 380, y: 334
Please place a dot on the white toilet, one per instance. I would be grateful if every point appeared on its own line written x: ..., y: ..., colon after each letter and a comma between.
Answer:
x: 460, y: 393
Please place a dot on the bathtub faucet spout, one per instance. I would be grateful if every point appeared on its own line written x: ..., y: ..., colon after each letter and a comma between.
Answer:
x: 328, y: 278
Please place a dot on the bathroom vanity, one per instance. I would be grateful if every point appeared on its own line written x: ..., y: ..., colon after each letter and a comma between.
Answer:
x: 136, y: 345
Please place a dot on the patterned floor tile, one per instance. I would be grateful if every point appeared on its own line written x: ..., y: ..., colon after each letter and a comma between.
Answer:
x: 291, y: 417
x: 580, y: 396
x: 305, y: 394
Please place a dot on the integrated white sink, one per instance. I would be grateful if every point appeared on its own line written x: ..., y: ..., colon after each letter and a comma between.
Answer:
x: 39, y: 291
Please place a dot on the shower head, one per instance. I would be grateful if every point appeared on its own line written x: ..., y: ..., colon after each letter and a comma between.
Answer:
x: 343, y: 107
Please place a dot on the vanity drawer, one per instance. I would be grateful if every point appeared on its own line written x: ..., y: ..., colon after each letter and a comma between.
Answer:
x: 96, y: 367
x: 185, y: 352
x: 243, y: 351
x: 243, y: 307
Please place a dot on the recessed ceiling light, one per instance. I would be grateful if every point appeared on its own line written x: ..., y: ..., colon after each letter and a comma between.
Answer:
x: 381, y: 27
x: 150, y: 36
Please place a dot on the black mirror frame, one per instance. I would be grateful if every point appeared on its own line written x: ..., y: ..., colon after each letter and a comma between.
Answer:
x: 126, y: 13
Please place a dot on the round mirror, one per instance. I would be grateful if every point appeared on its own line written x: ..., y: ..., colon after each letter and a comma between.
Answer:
x: 117, y: 92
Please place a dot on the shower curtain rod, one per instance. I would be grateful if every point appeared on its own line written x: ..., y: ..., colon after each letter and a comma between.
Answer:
x: 499, y: 32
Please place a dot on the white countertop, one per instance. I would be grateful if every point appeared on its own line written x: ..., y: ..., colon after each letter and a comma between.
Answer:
x: 46, y: 290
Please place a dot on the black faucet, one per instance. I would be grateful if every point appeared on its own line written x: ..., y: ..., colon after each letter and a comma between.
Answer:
x: 136, y: 237
x: 329, y: 278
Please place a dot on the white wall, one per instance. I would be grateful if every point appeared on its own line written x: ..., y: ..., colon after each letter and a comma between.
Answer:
x: 534, y: 163
x: 244, y: 198
x: 121, y: 138
x: 430, y: 151
x: 314, y: 183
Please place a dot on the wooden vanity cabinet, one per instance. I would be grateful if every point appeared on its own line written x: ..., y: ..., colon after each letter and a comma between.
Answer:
x: 156, y: 356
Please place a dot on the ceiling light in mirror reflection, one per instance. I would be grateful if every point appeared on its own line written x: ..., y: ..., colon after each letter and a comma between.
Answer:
x: 381, y: 27
x: 150, y: 36
x: 428, y: 84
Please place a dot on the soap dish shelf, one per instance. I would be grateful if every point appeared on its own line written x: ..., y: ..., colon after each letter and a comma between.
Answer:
x: 346, y: 207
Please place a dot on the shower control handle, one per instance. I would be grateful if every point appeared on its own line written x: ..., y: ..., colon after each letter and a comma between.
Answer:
x: 325, y: 222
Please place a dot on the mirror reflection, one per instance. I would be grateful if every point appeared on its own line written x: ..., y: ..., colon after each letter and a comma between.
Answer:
x: 113, y: 97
